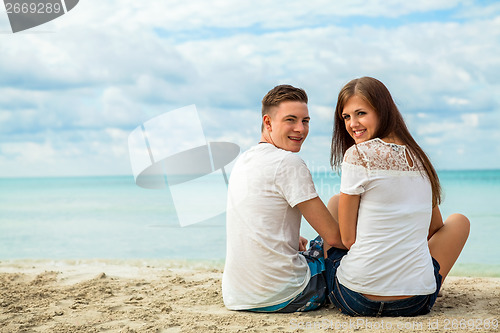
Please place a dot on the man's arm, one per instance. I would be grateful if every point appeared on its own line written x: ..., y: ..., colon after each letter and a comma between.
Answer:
x: 318, y: 216
x: 302, y: 243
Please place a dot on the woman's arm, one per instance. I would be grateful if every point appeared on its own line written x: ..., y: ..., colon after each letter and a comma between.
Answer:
x: 348, y: 218
x: 436, y: 222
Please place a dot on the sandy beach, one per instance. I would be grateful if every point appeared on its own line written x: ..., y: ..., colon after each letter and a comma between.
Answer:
x: 183, y: 296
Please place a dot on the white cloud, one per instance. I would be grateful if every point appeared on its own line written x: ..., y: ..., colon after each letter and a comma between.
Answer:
x: 456, y: 101
x: 29, y: 151
x: 322, y: 113
x: 114, y: 65
x: 450, y: 128
x: 195, y: 14
x: 471, y: 11
x: 471, y: 120
x: 70, y: 153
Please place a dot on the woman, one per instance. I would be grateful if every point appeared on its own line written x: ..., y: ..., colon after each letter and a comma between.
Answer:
x: 399, y: 249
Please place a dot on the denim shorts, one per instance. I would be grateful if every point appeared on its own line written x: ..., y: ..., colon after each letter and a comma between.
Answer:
x: 314, y: 294
x: 355, y: 304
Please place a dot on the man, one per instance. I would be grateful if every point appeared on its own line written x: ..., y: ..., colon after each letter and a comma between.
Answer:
x: 269, y: 190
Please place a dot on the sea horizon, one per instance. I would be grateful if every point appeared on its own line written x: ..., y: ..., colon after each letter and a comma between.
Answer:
x: 328, y: 168
x: 111, y: 218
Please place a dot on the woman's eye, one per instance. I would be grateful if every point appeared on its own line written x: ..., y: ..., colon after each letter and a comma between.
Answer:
x: 345, y: 117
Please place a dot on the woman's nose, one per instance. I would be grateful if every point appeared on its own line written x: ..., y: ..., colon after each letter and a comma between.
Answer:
x: 353, y: 122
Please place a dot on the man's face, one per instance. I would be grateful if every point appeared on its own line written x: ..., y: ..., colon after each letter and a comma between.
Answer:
x: 288, y: 125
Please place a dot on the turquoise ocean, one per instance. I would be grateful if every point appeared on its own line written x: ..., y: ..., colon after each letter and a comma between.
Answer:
x: 112, y: 218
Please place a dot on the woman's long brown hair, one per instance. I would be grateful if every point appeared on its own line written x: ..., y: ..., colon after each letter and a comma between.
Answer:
x: 391, y: 122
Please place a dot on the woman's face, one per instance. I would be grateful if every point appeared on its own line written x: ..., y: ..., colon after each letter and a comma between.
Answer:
x: 360, y: 119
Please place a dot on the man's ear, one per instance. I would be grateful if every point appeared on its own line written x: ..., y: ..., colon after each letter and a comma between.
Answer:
x: 266, y: 120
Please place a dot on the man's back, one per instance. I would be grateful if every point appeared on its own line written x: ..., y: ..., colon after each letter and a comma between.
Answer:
x: 263, y: 265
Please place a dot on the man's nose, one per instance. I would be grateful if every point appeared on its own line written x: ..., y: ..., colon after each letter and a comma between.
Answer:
x: 299, y: 127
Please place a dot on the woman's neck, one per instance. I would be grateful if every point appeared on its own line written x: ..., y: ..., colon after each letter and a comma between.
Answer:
x: 391, y: 138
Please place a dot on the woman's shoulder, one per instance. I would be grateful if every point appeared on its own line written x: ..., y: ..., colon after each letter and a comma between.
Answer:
x: 377, y: 154
x: 375, y: 145
x: 359, y: 154
x: 353, y: 155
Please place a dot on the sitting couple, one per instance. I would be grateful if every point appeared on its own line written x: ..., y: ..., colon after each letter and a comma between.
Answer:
x: 382, y: 249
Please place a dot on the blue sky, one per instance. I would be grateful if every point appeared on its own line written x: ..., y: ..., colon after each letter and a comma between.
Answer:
x: 73, y: 89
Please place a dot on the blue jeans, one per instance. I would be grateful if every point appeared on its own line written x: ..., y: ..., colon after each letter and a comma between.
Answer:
x: 355, y: 304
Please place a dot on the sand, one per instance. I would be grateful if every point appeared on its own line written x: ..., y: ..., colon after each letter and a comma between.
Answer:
x: 182, y: 296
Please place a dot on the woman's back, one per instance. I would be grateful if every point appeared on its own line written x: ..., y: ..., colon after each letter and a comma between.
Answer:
x: 390, y: 256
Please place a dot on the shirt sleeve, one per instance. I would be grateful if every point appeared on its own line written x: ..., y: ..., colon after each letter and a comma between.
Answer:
x: 354, y: 174
x: 294, y: 180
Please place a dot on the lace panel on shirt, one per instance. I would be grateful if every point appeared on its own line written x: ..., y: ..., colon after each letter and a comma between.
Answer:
x: 379, y: 155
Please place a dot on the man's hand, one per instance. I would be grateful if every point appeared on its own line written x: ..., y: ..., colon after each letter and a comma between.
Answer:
x: 318, y: 216
x: 303, y: 243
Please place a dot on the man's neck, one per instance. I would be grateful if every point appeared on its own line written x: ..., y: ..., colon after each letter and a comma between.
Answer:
x: 266, y: 138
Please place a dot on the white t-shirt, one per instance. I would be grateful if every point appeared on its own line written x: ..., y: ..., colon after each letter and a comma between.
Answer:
x: 263, y: 266
x: 390, y: 256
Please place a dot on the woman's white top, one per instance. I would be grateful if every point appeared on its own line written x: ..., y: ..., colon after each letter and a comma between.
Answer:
x: 390, y: 256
